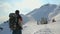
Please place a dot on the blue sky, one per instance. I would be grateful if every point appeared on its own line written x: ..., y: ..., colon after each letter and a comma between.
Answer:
x: 25, y: 6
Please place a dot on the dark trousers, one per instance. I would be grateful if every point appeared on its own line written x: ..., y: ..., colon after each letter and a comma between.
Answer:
x: 17, y: 32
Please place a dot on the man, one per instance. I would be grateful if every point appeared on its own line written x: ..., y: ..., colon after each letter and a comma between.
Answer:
x: 18, y: 29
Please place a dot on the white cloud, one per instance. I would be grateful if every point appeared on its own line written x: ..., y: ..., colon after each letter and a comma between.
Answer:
x: 28, y: 4
x: 6, y: 8
x: 25, y: 5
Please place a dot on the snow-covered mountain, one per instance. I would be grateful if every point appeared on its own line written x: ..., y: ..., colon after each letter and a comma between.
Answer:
x: 55, y: 12
x: 45, y: 11
x: 31, y: 27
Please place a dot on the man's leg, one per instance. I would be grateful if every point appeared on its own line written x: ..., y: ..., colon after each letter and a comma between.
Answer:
x: 14, y: 32
x: 19, y: 31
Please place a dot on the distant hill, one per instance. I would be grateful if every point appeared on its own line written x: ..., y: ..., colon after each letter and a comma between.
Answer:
x: 45, y: 11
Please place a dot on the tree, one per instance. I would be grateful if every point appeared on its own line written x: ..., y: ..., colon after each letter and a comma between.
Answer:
x: 44, y: 20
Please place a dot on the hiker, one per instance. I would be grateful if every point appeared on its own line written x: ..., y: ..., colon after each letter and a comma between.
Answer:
x: 15, y: 22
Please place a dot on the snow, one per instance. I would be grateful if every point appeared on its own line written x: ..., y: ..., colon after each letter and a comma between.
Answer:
x: 55, y: 12
x: 31, y: 27
x: 6, y: 29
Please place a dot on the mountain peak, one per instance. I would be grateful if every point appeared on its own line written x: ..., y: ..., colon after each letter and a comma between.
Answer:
x: 43, y: 11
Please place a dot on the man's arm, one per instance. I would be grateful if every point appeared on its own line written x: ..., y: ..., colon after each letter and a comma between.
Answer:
x: 20, y: 21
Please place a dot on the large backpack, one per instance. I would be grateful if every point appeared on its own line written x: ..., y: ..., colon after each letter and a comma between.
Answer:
x: 12, y: 21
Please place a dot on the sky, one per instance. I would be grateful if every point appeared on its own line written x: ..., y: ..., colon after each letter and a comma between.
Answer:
x: 24, y: 6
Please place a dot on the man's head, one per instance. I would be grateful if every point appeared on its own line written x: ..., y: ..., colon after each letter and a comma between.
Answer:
x: 17, y: 11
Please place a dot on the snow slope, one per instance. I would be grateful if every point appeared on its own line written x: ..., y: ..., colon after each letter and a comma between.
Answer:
x: 6, y: 29
x: 55, y: 12
x: 32, y: 28
x: 51, y: 28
